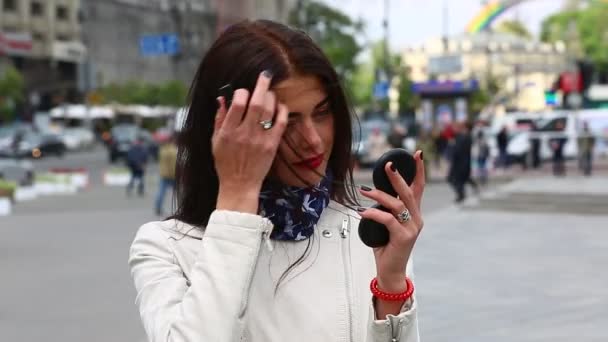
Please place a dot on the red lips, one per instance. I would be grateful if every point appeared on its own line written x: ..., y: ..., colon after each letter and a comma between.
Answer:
x: 312, y: 163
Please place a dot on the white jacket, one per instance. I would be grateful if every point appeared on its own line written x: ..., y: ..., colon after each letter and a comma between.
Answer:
x: 219, y: 286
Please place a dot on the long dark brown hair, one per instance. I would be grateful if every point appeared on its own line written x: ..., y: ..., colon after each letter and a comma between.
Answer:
x: 237, y: 57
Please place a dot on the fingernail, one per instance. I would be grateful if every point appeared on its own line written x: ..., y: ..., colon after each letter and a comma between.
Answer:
x: 219, y: 101
x: 393, y: 168
x: 421, y: 155
x: 361, y: 209
x: 365, y: 188
x: 267, y: 73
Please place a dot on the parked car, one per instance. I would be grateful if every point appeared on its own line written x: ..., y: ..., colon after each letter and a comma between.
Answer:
x: 122, y: 138
x: 77, y: 138
x: 361, y: 134
x: 33, y: 145
x: 18, y: 171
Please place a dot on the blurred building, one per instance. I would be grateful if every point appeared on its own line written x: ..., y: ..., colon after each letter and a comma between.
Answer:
x: 522, y: 69
x: 113, y: 30
x: 42, y: 39
x: 68, y: 48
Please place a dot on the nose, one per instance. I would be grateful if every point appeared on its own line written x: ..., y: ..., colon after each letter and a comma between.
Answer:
x: 310, y: 137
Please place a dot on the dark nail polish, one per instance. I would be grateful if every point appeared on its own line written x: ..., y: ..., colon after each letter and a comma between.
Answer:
x: 361, y: 209
x: 267, y: 73
x: 421, y: 155
x: 393, y: 168
x: 365, y: 188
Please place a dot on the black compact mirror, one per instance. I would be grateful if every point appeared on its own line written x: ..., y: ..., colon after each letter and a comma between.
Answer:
x: 372, y: 233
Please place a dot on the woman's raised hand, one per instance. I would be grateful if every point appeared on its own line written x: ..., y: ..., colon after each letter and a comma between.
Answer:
x: 245, y: 142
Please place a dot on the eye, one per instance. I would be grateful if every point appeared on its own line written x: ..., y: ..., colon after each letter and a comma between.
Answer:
x: 321, y: 112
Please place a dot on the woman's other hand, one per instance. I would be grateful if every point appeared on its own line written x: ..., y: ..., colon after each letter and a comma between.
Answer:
x: 392, y: 259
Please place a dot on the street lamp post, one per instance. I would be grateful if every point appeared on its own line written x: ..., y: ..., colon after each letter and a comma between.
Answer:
x: 387, y: 66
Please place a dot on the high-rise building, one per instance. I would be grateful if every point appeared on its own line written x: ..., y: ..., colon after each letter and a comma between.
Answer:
x: 113, y: 31
x: 66, y: 48
x: 42, y: 39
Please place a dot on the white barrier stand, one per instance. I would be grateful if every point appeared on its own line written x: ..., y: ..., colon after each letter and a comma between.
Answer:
x: 46, y: 189
x: 80, y: 180
x: 26, y: 193
x: 5, y: 206
x: 116, y: 179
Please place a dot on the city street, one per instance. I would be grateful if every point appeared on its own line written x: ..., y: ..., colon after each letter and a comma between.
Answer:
x: 509, y: 93
x: 488, y: 271
x: 64, y: 259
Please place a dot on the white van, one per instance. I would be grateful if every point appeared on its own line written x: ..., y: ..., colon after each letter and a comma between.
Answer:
x: 572, y: 123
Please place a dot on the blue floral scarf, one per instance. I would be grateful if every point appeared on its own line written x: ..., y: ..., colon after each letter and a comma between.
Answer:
x: 294, y: 211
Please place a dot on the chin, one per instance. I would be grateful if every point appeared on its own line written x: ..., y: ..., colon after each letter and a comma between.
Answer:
x: 310, y: 177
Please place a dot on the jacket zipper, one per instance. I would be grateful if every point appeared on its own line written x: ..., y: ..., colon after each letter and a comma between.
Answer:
x: 395, y: 333
x: 346, y: 257
x: 266, y: 239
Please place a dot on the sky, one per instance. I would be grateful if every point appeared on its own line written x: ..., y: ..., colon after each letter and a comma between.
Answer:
x: 412, y: 22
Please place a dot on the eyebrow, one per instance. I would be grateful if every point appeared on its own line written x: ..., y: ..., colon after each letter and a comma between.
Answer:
x: 317, y: 106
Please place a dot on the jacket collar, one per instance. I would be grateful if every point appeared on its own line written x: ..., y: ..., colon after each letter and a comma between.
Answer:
x: 332, y: 216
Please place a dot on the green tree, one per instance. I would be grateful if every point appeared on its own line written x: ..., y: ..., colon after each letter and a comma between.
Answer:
x: 514, y: 27
x: 362, y: 83
x: 585, y: 29
x: 484, y: 96
x: 12, y: 90
x: 408, y: 101
x: 335, y: 32
x: 171, y: 93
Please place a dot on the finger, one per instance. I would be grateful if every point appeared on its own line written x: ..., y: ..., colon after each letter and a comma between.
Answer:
x: 391, y: 203
x: 382, y: 217
x: 406, y: 195
x: 234, y: 117
x: 220, y: 115
x: 258, y: 99
x: 270, y: 107
x: 420, y: 179
x: 280, y: 122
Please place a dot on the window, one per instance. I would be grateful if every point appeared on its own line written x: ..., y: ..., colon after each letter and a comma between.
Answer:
x: 10, y: 5
x: 554, y: 125
x: 62, y: 12
x: 37, y: 36
x: 36, y: 8
x: 63, y: 38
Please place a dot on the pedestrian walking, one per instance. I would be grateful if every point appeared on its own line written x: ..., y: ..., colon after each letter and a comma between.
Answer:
x: 481, y: 158
x: 557, y: 144
x: 502, y: 141
x: 586, y: 145
x: 397, y: 135
x: 426, y: 144
x: 167, y: 159
x: 265, y: 181
x: 137, y: 158
x: 460, y: 166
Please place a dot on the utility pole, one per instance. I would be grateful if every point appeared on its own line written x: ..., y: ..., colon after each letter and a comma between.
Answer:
x: 387, y: 64
x: 446, y: 28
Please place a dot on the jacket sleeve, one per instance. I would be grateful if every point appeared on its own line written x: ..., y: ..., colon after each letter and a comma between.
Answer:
x: 209, y: 306
x: 400, y: 328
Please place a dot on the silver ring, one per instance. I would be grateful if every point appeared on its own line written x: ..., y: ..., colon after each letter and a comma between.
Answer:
x: 404, y: 216
x: 266, y: 124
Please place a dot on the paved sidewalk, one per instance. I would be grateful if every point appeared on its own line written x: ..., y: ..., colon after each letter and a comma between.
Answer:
x: 494, y: 274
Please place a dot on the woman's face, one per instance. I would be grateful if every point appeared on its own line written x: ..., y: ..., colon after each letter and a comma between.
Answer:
x: 308, y: 140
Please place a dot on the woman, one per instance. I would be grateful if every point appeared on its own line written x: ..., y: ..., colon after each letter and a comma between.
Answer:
x: 261, y: 247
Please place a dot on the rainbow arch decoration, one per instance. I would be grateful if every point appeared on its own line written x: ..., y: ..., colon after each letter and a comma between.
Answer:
x: 494, y: 9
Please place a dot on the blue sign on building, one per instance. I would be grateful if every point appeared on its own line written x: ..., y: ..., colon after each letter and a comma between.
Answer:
x: 381, y: 90
x: 157, y: 45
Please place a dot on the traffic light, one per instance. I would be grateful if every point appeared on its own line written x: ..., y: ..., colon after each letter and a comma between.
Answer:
x: 587, y: 72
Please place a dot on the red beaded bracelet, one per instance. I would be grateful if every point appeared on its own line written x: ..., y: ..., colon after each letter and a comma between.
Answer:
x: 392, y: 297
